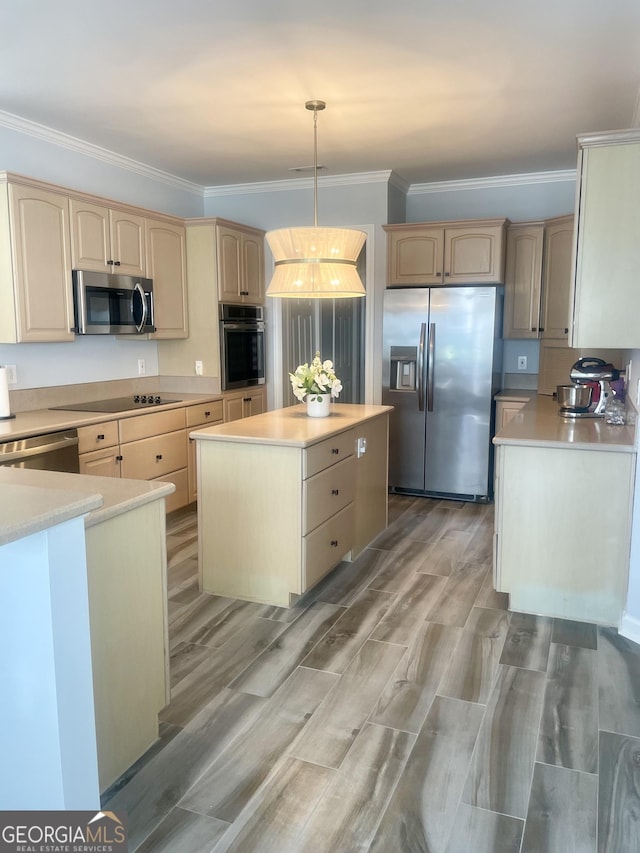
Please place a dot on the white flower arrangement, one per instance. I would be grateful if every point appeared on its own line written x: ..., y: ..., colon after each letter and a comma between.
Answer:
x: 317, y: 378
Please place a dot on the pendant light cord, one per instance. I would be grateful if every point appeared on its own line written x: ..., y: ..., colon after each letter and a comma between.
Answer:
x: 315, y: 168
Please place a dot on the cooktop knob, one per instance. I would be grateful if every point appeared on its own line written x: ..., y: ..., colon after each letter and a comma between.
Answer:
x: 136, y: 398
x: 157, y: 400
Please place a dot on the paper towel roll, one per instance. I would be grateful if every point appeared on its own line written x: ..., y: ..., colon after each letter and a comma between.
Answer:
x: 5, y: 409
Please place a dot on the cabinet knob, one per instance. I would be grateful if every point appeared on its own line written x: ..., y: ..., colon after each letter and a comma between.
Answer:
x: 541, y: 329
x: 116, y: 263
x: 335, y: 450
x: 247, y: 399
x: 447, y: 273
x: 207, y: 414
x: 100, y: 436
x: 335, y: 491
x: 534, y: 329
x: 110, y: 263
x: 158, y: 457
x: 119, y: 458
x: 439, y: 274
x: 334, y: 543
x: 566, y: 331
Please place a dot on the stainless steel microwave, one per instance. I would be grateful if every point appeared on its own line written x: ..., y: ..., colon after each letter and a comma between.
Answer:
x: 110, y: 304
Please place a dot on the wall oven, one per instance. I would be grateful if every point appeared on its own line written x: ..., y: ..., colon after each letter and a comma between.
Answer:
x: 109, y: 304
x: 241, y: 346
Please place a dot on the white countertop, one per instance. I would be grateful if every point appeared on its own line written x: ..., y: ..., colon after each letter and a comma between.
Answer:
x: 41, y: 421
x: 539, y: 424
x: 291, y: 426
x: 32, y: 500
x: 514, y: 395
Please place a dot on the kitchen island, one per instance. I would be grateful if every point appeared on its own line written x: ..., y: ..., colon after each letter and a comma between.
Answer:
x: 564, y: 498
x: 83, y: 632
x: 283, y: 498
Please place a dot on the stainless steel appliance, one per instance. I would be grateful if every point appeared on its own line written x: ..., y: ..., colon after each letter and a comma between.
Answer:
x: 588, y: 372
x: 109, y: 304
x: 55, y: 451
x: 241, y: 346
x: 441, y: 368
x: 116, y: 404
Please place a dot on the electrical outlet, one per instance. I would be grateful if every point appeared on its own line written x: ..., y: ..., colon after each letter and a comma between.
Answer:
x: 142, y: 368
x: 12, y: 374
x: 522, y: 362
x: 199, y: 368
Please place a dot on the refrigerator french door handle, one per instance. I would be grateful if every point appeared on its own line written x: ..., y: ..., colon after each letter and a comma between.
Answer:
x: 420, y: 370
x: 431, y: 365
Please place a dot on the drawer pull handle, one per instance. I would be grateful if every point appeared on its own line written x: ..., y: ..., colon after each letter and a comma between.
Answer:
x: 566, y: 331
x: 158, y: 457
x: 335, y: 491
x: 119, y: 458
x: 100, y: 436
x: 335, y: 450
x: 207, y: 414
x: 334, y: 543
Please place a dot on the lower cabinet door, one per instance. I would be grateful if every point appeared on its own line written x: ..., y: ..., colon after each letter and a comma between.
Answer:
x: 101, y: 463
x: 180, y: 497
x: 323, y: 548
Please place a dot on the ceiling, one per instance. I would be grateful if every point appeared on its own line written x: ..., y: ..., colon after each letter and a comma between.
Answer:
x: 213, y: 91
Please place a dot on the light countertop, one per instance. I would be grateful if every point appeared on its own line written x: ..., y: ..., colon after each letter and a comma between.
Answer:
x: 40, y: 421
x: 32, y: 500
x: 514, y: 395
x: 539, y: 424
x: 291, y: 426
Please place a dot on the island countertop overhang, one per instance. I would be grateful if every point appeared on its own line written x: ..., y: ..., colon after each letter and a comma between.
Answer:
x: 291, y: 426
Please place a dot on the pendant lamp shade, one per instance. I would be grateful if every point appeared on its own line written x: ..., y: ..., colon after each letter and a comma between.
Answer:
x: 314, y: 262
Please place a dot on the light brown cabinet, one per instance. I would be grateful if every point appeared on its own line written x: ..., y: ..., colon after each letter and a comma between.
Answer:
x: 150, y: 446
x: 606, y: 292
x: 99, y: 449
x: 35, y: 265
x: 432, y: 253
x: 205, y: 414
x: 240, y: 255
x: 106, y: 239
x: 166, y: 264
x: 538, y: 279
x: 244, y: 403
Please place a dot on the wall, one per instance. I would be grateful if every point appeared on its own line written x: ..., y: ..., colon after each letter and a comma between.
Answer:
x: 630, y: 625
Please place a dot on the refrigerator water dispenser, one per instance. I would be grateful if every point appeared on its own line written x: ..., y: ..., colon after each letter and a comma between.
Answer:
x: 403, y: 368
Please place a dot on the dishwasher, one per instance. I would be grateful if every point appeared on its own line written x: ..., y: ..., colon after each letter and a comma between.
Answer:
x: 53, y: 451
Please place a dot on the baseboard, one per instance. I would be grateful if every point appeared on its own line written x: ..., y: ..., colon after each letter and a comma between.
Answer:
x: 630, y: 627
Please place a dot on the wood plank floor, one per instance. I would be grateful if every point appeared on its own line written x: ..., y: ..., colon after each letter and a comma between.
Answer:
x: 399, y: 707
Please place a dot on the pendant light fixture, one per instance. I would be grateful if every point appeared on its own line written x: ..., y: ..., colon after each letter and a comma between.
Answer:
x: 314, y: 262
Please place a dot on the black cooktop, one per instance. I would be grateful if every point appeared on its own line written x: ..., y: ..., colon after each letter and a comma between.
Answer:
x: 117, y: 404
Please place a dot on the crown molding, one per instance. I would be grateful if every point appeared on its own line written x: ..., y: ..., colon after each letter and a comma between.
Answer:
x: 299, y: 184
x: 56, y: 137
x: 497, y: 181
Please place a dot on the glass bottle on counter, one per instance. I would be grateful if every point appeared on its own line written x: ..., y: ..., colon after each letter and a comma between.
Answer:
x: 614, y: 410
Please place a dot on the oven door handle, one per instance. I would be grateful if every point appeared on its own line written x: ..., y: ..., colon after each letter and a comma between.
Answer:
x: 244, y: 327
x: 138, y: 288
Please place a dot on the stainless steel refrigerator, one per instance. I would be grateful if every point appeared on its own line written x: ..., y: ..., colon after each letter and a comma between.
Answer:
x: 442, y: 358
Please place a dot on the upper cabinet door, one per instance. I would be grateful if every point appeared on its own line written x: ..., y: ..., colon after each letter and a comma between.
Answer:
x: 90, y: 243
x: 229, y: 261
x: 41, y: 264
x: 474, y: 255
x: 252, y: 269
x: 166, y: 265
x: 523, y: 280
x: 556, y: 282
x: 127, y: 243
x: 416, y: 257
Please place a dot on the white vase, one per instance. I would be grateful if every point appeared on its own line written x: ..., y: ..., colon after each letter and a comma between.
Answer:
x: 318, y: 405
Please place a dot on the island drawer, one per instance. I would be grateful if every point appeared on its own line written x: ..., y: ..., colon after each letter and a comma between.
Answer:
x: 326, y: 546
x: 150, y: 458
x: 320, y: 456
x: 96, y: 436
x: 204, y: 413
x: 144, y: 426
x: 326, y: 493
